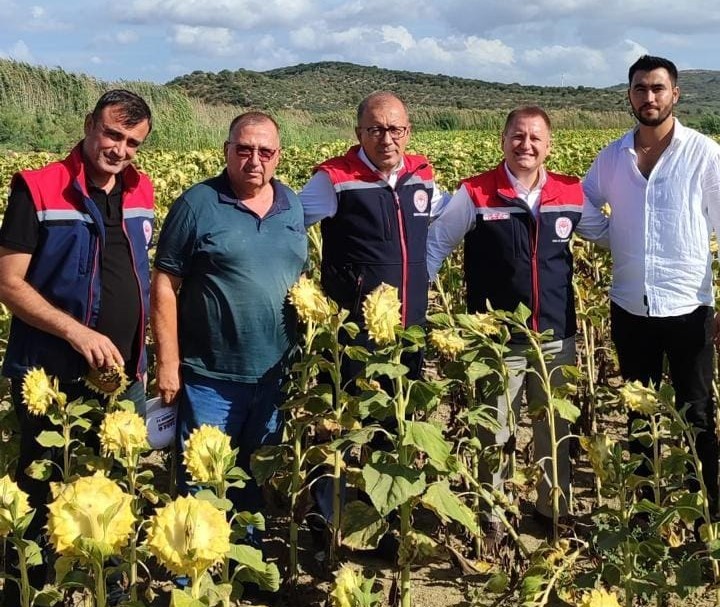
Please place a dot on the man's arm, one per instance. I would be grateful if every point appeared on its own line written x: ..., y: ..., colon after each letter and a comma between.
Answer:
x: 30, y: 306
x: 593, y: 224
x: 318, y: 198
x: 164, y: 321
x: 448, y: 229
x: 440, y: 200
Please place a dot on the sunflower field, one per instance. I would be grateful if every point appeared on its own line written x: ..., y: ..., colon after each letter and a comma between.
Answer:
x: 111, y: 517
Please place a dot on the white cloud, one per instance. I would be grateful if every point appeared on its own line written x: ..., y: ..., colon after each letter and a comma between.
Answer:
x: 237, y: 14
x: 18, y: 52
x: 37, y: 12
x: 218, y: 41
x: 399, y: 35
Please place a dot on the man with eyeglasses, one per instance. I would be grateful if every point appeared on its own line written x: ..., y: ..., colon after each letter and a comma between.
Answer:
x: 374, y: 204
x: 227, y: 254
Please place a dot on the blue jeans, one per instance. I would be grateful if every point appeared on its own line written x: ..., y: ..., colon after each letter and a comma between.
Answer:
x: 248, y: 413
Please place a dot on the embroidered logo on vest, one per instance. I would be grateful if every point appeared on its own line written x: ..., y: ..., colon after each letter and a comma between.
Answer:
x: 420, y: 200
x: 563, y: 227
x: 147, y: 230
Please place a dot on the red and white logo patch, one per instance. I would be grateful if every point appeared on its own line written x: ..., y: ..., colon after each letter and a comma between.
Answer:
x: 147, y: 230
x: 420, y: 200
x: 563, y: 227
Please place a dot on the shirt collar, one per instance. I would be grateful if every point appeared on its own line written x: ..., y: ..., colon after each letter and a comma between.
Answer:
x: 394, y: 173
x: 679, y: 134
x: 519, y: 187
x: 226, y: 195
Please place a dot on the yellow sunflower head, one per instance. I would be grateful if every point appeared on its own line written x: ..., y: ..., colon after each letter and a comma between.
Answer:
x: 123, y: 433
x: 310, y: 302
x: 447, y: 341
x: 93, y: 509
x: 39, y: 391
x: 599, y: 449
x: 484, y: 324
x: 346, y: 581
x: 188, y: 536
x: 599, y: 598
x: 208, y: 454
x: 14, y: 505
x: 639, y: 398
x: 382, y: 314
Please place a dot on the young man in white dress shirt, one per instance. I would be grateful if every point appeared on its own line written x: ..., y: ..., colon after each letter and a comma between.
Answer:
x: 662, y: 182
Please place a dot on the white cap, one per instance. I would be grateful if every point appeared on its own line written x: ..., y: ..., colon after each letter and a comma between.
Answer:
x: 160, y: 422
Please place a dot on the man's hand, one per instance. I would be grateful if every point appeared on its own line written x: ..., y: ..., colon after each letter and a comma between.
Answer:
x: 99, y: 351
x: 28, y: 304
x: 169, y: 382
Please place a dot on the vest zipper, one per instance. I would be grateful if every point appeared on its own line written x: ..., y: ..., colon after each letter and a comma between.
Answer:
x: 403, y: 258
x: 535, y: 274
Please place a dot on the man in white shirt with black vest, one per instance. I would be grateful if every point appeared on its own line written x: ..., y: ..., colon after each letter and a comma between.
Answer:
x: 661, y: 181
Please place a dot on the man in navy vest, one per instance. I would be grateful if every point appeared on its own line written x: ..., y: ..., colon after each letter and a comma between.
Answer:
x: 374, y: 204
x: 74, y: 272
x: 517, y: 221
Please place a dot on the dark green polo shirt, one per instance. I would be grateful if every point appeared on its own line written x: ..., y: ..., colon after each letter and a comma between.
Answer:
x: 235, y: 321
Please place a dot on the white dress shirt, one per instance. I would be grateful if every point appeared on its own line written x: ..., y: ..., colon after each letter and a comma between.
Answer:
x: 319, y: 199
x: 659, y: 228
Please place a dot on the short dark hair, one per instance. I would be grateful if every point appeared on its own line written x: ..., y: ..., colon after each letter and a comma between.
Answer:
x: 647, y: 63
x: 133, y: 108
x: 529, y: 111
x: 377, y: 96
x: 248, y: 118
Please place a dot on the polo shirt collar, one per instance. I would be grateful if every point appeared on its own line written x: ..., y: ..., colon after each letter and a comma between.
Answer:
x: 226, y: 195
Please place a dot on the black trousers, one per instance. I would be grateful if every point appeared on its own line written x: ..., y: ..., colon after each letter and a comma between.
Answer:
x: 687, y: 341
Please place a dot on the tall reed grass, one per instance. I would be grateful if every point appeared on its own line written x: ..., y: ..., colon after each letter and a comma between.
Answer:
x: 43, y: 109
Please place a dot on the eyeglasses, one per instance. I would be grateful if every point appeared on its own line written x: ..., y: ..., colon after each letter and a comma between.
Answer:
x: 378, y: 132
x: 246, y: 151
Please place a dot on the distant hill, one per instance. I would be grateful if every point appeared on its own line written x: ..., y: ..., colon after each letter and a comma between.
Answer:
x: 332, y: 86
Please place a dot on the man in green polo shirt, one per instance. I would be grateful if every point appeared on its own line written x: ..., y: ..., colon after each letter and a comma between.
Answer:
x: 228, y: 251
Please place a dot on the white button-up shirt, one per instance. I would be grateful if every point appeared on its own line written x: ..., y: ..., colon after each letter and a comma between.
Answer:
x: 659, y: 228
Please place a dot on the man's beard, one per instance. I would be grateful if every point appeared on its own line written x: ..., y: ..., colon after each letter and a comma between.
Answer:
x: 662, y: 117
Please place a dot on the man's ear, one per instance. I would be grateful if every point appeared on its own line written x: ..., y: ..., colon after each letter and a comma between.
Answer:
x: 89, y: 123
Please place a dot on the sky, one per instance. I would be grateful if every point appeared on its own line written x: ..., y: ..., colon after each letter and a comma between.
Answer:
x: 542, y: 42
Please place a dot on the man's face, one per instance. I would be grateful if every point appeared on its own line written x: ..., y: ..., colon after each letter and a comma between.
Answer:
x: 384, y: 147
x: 526, y: 144
x: 652, y: 96
x: 252, y: 155
x: 109, y: 146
